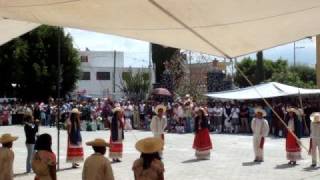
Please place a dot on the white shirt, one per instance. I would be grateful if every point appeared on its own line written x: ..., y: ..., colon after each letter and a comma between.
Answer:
x: 180, y: 112
x: 235, y: 112
x: 218, y: 111
x: 210, y: 110
x: 291, y: 124
x: 260, y: 127
x: 158, y: 125
x: 315, y: 130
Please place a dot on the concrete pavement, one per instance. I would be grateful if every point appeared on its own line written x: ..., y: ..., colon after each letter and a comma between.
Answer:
x: 231, y: 157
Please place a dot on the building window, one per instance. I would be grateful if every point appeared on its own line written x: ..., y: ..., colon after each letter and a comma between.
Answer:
x: 85, y: 76
x: 84, y: 58
x: 103, y: 75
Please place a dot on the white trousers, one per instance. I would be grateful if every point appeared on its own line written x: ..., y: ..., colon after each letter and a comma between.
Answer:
x: 315, y: 146
x: 258, y: 152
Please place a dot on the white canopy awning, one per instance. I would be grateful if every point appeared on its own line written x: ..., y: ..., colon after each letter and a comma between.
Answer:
x: 10, y: 29
x: 267, y: 90
x: 231, y: 27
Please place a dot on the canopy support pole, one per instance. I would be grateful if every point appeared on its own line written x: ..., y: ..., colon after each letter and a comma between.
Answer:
x: 318, y: 60
x: 58, y: 99
x: 226, y: 55
x: 302, y: 113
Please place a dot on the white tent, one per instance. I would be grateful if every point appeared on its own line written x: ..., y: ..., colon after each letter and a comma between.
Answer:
x: 266, y: 90
x: 10, y: 29
x: 227, y: 28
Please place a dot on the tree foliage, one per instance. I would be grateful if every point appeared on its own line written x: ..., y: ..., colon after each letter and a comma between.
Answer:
x: 301, y: 76
x: 177, y: 68
x: 135, y: 85
x: 279, y: 71
x: 160, y: 54
x: 30, y: 61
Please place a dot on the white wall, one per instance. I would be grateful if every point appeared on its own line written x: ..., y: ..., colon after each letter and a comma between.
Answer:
x: 102, y: 61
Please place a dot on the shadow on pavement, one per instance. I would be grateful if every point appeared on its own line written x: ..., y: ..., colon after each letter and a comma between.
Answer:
x: 27, y: 174
x: 309, y: 169
x: 251, y: 163
x: 194, y: 160
x: 21, y: 174
x: 66, y: 169
x: 284, y: 166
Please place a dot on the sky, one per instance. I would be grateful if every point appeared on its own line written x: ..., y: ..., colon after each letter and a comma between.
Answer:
x: 137, y: 52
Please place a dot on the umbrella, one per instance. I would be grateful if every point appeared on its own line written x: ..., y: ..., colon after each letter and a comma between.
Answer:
x: 161, y: 91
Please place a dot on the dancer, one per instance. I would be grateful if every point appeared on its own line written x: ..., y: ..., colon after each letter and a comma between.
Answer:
x: 6, y: 156
x: 44, y: 160
x: 314, y: 137
x: 75, y: 150
x: 292, y: 144
x: 97, y: 166
x: 202, y: 142
x: 30, y: 130
x: 149, y: 165
x: 159, y: 122
x: 260, y: 129
x: 117, y: 135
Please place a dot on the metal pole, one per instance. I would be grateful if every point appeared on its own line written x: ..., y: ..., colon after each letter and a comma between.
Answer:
x: 114, y: 72
x: 150, y: 67
x: 318, y: 60
x: 294, y: 53
x: 189, y: 70
x: 58, y: 96
x: 232, y: 70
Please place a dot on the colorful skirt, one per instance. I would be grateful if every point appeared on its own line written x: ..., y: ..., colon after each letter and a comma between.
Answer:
x: 116, y: 149
x: 293, y: 148
x: 74, y: 152
x: 202, y: 144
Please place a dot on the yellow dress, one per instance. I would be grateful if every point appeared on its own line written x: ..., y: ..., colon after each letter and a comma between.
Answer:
x: 41, y: 162
x: 154, y: 172
x: 6, y: 163
x: 97, y: 167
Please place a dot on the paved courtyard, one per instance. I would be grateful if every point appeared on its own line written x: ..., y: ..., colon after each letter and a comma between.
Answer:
x: 231, y: 158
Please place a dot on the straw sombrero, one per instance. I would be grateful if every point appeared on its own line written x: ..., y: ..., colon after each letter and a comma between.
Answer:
x: 28, y: 113
x: 116, y: 109
x: 6, y: 138
x: 160, y: 106
x: 150, y: 145
x: 75, y: 111
x: 260, y: 110
x: 203, y: 110
x: 294, y: 110
x: 187, y: 101
x: 315, y: 117
x: 98, y: 143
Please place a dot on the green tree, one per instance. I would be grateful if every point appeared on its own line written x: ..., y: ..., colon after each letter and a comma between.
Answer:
x: 301, y: 76
x: 248, y: 66
x: 160, y: 54
x: 30, y: 61
x: 279, y: 71
x: 135, y: 85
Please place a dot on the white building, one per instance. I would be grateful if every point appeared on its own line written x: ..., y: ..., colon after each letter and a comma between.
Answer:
x: 101, y: 73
